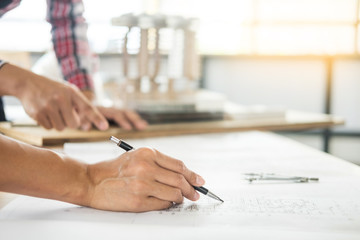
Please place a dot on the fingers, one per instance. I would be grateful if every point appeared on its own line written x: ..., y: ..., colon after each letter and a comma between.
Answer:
x: 94, y: 116
x: 44, y: 121
x: 154, y: 204
x: 173, y: 173
x: 164, y: 192
x: 68, y: 113
x: 177, y: 181
x: 126, y: 119
x: 56, y: 119
x: 122, y: 121
x: 148, y: 204
x: 51, y: 118
x: 85, y: 125
x: 135, y: 119
x: 144, y: 188
x: 61, y: 112
x: 89, y: 112
x: 179, y: 167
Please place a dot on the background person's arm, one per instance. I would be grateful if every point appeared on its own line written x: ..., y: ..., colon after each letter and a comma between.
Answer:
x: 136, y: 181
x: 72, y: 50
x: 71, y: 46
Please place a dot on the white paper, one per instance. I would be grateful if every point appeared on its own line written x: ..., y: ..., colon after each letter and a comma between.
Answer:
x: 328, y: 209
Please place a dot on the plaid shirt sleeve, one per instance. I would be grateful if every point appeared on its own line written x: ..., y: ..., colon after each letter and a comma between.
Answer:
x: 70, y: 41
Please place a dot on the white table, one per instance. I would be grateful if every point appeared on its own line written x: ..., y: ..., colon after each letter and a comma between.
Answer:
x: 328, y: 209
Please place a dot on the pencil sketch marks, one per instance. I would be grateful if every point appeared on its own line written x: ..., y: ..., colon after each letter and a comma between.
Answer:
x: 265, y: 206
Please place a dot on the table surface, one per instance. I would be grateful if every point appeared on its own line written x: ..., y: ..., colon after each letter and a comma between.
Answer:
x: 328, y: 209
x: 5, y: 198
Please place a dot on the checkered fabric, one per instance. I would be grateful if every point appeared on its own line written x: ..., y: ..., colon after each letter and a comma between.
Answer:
x: 69, y: 38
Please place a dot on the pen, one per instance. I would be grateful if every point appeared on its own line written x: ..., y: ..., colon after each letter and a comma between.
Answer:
x: 128, y: 147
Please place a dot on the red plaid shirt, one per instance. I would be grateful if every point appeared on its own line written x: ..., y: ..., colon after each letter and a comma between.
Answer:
x: 69, y: 38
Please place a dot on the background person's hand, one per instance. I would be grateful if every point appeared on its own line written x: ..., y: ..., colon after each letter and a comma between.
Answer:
x: 51, y: 104
x: 141, y: 180
x: 56, y: 105
x: 124, y: 118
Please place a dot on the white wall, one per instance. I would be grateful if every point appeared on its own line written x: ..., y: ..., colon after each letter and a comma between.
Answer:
x: 295, y: 84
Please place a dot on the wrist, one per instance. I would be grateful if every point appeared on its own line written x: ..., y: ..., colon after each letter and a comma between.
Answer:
x: 79, y: 189
x: 98, y: 174
x: 14, y: 80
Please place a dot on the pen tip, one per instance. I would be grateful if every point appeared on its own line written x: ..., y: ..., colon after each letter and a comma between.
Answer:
x: 220, y: 199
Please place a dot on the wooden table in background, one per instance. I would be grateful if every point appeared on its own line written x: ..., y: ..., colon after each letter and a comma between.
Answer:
x: 294, y: 120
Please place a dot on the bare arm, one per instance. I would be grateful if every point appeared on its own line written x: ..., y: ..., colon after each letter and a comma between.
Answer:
x: 33, y: 171
x: 136, y: 181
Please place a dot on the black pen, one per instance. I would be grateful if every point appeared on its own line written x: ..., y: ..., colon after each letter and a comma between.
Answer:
x: 128, y: 147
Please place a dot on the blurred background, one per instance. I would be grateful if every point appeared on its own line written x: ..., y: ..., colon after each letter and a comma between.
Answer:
x: 299, y: 54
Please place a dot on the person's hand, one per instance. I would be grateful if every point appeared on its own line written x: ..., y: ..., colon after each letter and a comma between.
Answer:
x: 141, y: 180
x: 125, y: 118
x: 57, y: 105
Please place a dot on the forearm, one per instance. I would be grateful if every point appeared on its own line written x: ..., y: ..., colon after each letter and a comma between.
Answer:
x: 42, y: 173
x: 13, y: 80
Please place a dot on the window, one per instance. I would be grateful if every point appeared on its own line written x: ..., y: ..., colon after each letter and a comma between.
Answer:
x: 25, y: 30
x: 261, y: 27
x: 273, y: 27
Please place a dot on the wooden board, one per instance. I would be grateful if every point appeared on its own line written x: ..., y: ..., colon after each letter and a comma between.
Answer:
x: 294, y: 120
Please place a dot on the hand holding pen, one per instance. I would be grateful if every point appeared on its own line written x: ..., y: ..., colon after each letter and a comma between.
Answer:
x: 141, y: 180
x: 201, y: 189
